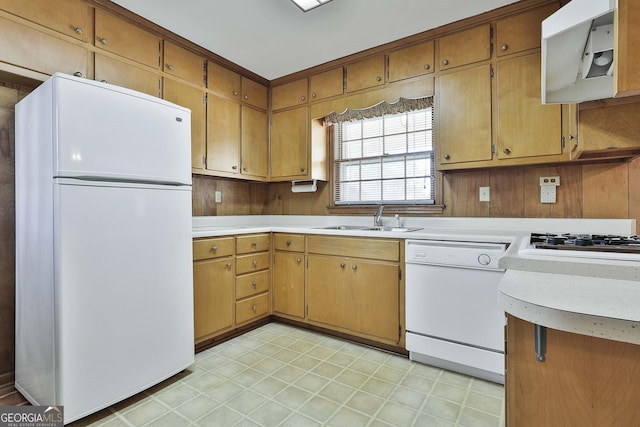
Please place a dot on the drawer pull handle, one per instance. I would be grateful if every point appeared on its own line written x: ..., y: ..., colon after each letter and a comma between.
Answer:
x: 255, y: 263
x: 214, y: 248
x: 288, y: 242
x: 254, y: 243
x: 254, y: 284
x: 228, y: 265
x: 103, y: 40
x: 254, y: 307
x: 298, y: 260
x: 78, y: 30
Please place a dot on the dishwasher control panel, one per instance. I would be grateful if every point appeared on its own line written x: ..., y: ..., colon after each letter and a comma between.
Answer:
x: 454, y: 253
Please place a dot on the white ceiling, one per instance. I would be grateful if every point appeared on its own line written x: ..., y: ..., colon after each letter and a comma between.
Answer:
x: 274, y: 38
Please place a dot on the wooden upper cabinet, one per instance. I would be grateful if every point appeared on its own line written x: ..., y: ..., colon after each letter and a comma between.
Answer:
x: 223, y: 80
x: 70, y: 17
x: 289, y: 144
x: 254, y: 143
x: 192, y: 98
x: 223, y: 134
x: 31, y: 49
x: 411, y: 61
x: 122, y: 38
x: 327, y: 84
x: 521, y: 32
x: 366, y: 73
x: 123, y: 74
x: 465, y: 47
x: 254, y: 93
x: 626, y: 60
x: 183, y: 64
x: 289, y: 94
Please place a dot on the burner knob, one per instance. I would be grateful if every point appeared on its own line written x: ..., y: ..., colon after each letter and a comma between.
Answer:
x: 484, y: 259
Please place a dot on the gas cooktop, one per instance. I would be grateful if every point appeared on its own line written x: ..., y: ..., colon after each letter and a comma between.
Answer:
x: 586, y: 242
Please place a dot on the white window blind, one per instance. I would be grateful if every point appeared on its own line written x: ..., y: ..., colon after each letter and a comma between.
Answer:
x: 385, y: 159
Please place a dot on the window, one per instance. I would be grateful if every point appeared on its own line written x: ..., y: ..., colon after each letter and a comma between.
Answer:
x: 385, y: 154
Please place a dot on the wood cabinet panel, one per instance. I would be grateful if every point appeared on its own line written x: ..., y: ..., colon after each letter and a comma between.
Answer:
x: 253, y: 243
x: 120, y: 73
x: 251, y: 263
x: 379, y: 249
x: 366, y: 73
x: 183, y: 64
x: 254, y: 143
x: 223, y: 80
x: 327, y: 84
x: 289, y: 94
x: 610, y: 128
x: 31, y: 49
x: 223, y: 134
x: 465, y: 47
x: 252, y: 308
x: 70, y: 17
x: 213, y: 286
x: 192, y: 98
x: 627, y: 60
x: 525, y: 127
x: 289, y: 144
x: 523, y: 31
x: 327, y: 290
x: 254, y: 93
x: 252, y: 284
x: 125, y: 39
x: 464, y: 116
x: 212, y: 248
x: 288, y: 242
x: 288, y: 283
x: 412, y: 61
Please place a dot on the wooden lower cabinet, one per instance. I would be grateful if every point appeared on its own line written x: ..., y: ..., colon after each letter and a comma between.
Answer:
x: 213, y: 299
x: 253, y: 278
x: 584, y: 381
x: 288, y: 283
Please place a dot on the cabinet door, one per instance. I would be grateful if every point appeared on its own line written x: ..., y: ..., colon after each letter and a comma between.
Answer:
x: 288, y: 283
x: 289, y: 94
x: 627, y: 61
x: 28, y: 48
x: 192, y: 98
x: 255, y: 144
x: 464, y: 115
x: 289, y: 147
x: 465, y: 47
x: 366, y: 73
x: 411, y: 61
x: 521, y: 32
x: 254, y: 93
x: 327, y: 290
x: 70, y: 17
x: 223, y: 80
x: 125, y: 39
x: 374, y: 298
x: 183, y: 64
x: 223, y: 134
x: 120, y: 73
x: 526, y: 127
x: 329, y: 83
x: 213, y: 302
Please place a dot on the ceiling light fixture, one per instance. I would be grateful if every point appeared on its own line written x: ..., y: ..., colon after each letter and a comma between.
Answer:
x: 307, y: 5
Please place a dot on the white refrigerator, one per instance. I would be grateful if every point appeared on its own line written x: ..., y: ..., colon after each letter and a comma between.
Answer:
x: 104, y: 279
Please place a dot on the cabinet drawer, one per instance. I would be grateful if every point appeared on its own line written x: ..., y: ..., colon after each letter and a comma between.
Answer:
x: 251, y: 263
x: 252, y: 284
x: 125, y: 39
x: 181, y: 63
x: 252, y: 243
x: 380, y: 249
x: 289, y: 242
x: 212, y: 248
x: 465, y: 47
x: 289, y: 95
x: 252, y: 308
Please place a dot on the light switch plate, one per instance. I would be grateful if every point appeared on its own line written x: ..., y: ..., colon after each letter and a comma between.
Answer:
x: 485, y: 194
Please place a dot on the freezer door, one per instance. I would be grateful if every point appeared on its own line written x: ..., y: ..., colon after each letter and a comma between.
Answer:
x: 123, y: 289
x: 103, y: 131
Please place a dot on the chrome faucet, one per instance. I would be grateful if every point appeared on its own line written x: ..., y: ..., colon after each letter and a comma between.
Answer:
x: 377, y: 218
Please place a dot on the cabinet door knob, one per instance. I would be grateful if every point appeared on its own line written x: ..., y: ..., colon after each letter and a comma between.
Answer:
x: 298, y: 260
x: 254, y: 284
x: 254, y: 307
x: 77, y: 74
x: 245, y: 169
x: 302, y: 169
x: 103, y: 40
x: 103, y: 81
x: 78, y: 30
x: 342, y: 265
x: 288, y: 242
x: 234, y: 167
x: 445, y: 62
x: 235, y: 93
x: 170, y: 67
x: 504, y: 46
x: 427, y: 66
x: 378, y: 78
x: 506, y: 150
x: 246, y: 97
x: 447, y: 157
x: 313, y: 95
x: 302, y: 98
x: 214, y: 248
x: 354, y: 267
x: 228, y: 265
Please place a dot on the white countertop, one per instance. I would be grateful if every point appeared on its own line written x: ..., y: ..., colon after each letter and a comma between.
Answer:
x: 593, y: 297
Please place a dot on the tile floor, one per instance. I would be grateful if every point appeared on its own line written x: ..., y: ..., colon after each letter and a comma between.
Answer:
x: 278, y: 375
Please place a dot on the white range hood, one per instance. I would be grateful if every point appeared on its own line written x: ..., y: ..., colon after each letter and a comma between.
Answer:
x: 577, y: 52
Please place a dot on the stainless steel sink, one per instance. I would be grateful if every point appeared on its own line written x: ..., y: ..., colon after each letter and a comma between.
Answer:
x: 402, y: 229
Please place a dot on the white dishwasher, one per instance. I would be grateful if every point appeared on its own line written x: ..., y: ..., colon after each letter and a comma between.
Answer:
x: 453, y: 320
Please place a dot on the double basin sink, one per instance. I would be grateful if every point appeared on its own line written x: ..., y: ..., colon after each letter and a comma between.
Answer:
x: 376, y: 228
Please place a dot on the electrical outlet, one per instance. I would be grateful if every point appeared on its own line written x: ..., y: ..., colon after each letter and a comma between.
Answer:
x: 218, y: 196
x: 485, y: 194
x: 548, y: 186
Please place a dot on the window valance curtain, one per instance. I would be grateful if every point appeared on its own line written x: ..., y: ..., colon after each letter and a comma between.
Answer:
x: 401, y: 106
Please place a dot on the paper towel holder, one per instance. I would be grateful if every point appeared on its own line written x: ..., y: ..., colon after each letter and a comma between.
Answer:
x: 304, y: 186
